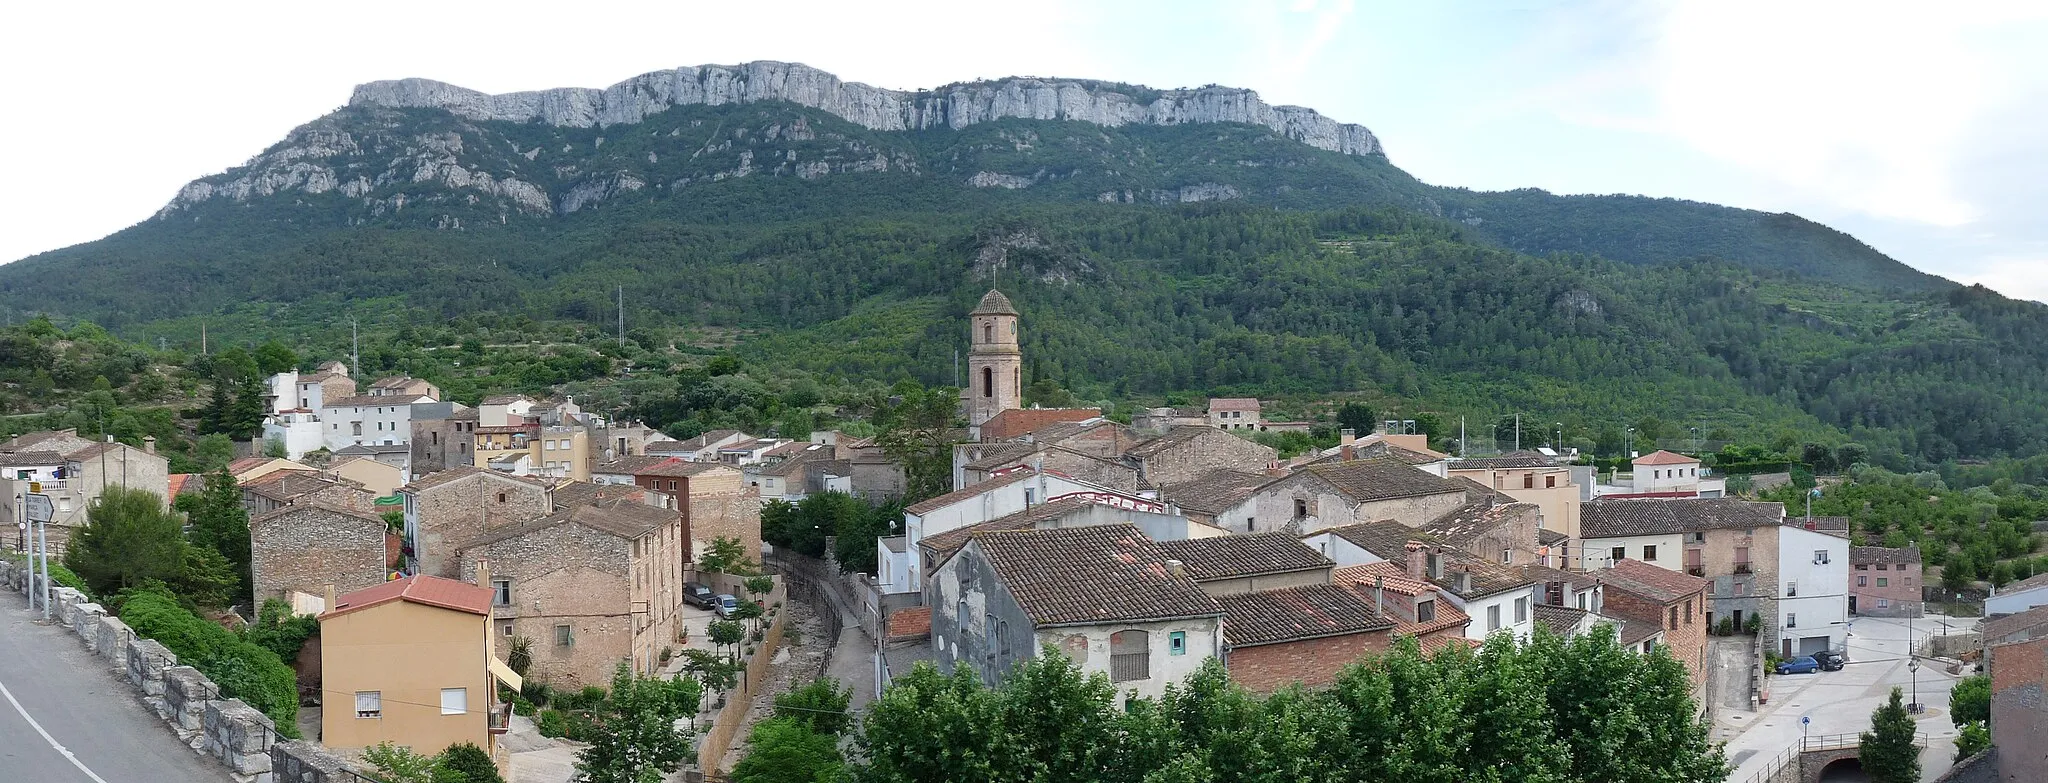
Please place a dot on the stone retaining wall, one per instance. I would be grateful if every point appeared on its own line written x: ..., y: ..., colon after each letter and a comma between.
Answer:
x: 240, y: 736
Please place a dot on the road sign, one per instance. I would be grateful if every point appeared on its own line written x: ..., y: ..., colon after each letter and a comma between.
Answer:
x: 1803, y: 720
x: 38, y: 507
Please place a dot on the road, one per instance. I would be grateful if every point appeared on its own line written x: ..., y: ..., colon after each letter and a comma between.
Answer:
x: 54, y: 694
x: 1841, y: 702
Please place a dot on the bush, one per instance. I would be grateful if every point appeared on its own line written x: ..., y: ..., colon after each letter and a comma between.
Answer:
x: 469, y: 763
x: 523, y: 707
x: 242, y: 669
x: 551, y: 723
x: 1726, y: 627
x: 536, y: 692
x: 1753, y: 625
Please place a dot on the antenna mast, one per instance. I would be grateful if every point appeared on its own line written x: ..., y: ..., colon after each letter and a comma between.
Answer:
x: 622, y: 315
x: 355, y: 348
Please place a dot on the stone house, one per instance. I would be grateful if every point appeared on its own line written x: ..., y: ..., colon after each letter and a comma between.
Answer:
x: 1885, y: 581
x: 1232, y: 565
x: 442, y: 435
x: 1017, y: 422
x: 1185, y: 453
x: 74, y: 472
x: 978, y: 462
x: 403, y: 386
x: 1072, y: 511
x: 785, y: 476
x: 1530, y: 477
x: 1234, y: 413
x: 1000, y: 496
x: 714, y: 500
x: 311, y: 546
x: 1336, y: 494
x: 1095, y: 437
x: 590, y: 585
x: 1496, y: 596
x: 1221, y: 497
x: 876, y: 477
x: 444, y: 509
x: 285, y: 487
x: 1103, y: 595
x: 1673, y: 601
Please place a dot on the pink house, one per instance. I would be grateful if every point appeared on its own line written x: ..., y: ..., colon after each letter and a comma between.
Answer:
x: 1884, y: 582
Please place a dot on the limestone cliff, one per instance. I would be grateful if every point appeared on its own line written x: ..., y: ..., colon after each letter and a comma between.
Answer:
x: 953, y: 106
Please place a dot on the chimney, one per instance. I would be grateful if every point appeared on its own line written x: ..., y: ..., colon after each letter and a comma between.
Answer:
x: 1464, y: 581
x: 1379, y: 596
x: 1347, y: 436
x: 110, y: 438
x: 483, y: 573
x: 149, y: 444
x: 1348, y: 452
x: 1417, y: 561
x: 1176, y: 567
x: 329, y: 607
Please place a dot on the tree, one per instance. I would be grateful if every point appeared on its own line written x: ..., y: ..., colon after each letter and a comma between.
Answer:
x: 129, y: 539
x: 213, y: 452
x: 2001, y: 573
x: 1887, y: 748
x: 726, y: 555
x: 854, y: 546
x: 636, y: 740
x: 917, y: 429
x: 751, y: 613
x: 784, y: 750
x: 220, y: 523
x: 274, y: 357
x: 1046, y: 393
x: 929, y: 727
x: 820, y: 705
x: 464, y: 762
x: 1972, y: 739
x: 1958, y: 575
x: 1358, y: 418
x: 519, y: 655
x: 399, y: 764
x: 725, y: 633
x: 1970, y: 700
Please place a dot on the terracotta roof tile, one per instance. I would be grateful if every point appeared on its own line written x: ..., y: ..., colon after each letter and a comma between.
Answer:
x: 1994, y: 631
x: 1661, y: 585
x: 22, y: 459
x: 1380, y: 478
x: 631, y: 464
x: 1230, y: 557
x: 1662, y: 457
x: 1214, y: 491
x: 1386, y: 539
x: 1512, y: 459
x: 994, y: 303
x: 1020, y: 421
x: 427, y: 590
x: 1297, y: 613
x: 2037, y: 580
x: 1613, y: 518
x: 1234, y: 404
x: 1095, y: 574
x: 681, y: 469
x: 1908, y: 555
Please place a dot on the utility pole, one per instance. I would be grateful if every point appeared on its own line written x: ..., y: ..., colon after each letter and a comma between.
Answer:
x: 1518, y: 432
x: 1461, y: 437
x: 202, y: 338
x: 355, y: 348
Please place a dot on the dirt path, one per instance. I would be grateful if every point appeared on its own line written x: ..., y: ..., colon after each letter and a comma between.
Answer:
x: 796, y: 663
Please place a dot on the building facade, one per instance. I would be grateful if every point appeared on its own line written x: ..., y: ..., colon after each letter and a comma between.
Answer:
x: 411, y: 662
x: 1885, y: 581
x: 995, y: 363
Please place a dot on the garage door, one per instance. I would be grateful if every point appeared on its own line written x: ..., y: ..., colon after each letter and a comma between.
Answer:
x: 1813, y: 644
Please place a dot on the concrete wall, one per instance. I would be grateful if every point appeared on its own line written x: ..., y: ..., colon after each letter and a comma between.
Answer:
x: 240, y: 737
x: 1822, y: 605
x: 1599, y: 552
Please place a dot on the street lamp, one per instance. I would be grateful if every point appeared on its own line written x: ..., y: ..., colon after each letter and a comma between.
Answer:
x: 1628, y: 447
x: 1913, y: 666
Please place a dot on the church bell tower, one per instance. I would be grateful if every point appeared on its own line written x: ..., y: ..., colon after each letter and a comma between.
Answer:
x: 995, y: 375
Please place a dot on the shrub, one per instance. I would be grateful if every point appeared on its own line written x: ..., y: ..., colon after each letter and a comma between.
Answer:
x: 551, y: 723
x: 243, y: 670
x: 1753, y: 625
x: 536, y: 692
x: 469, y: 763
x: 1726, y: 627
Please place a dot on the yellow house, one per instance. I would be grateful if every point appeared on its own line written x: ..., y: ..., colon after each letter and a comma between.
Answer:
x: 382, y: 479
x: 1529, y: 477
x: 410, y: 661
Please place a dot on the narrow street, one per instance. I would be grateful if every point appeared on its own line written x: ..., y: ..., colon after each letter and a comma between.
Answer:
x: 65, y: 718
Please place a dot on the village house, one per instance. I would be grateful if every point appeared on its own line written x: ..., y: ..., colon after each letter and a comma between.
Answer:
x: 978, y: 462
x: 1018, y: 422
x: 1231, y: 565
x: 1003, y: 495
x: 1234, y: 413
x: 442, y: 435
x: 411, y: 662
x: 1530, y: 477
x: 1497, y: 597
x: 1102, y: 595
x: 1159, y: 420
x: 504, y: 410
x: 1404, y: 596
x: 1302, y: 635
x: 703, y: 448
x: 1885, y: 581
x: 2018, y: 597
x: 379, y: 478
x: 369, y: 419
x: 1664, y: 474
x: 1673, y: 601
x: 784, y: 475
x: 297, y: 552
x: 1221, y: 497
x: 1185, y: 453
x: 1100, y: 438
x: 278, y: 489
x: 74, y: 472
x: 1335, y: 494
x: 1078, y: 510
x: 445, y: 509
x: 623, y: 469
x: 876, y: 477
x: 748, y: 452
x: 590, y: 585
x: 294, y: 405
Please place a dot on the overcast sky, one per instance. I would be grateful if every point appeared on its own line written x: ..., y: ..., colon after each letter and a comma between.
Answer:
x: 1918, y: 127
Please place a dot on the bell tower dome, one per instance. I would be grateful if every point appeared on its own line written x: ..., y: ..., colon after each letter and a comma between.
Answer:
x: 995, y: 375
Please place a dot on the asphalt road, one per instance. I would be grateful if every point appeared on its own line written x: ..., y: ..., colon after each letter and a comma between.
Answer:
x: 65, y: 718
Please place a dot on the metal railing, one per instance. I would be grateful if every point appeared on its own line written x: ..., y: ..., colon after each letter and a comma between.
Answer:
x: 1819, y: 743
x: 1744, y: 568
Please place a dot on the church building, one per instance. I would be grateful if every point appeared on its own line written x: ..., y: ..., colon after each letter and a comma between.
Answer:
x: 995, y: 365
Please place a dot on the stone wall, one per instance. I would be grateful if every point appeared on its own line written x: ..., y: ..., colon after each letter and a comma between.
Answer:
x: 240, y: 737
x: 306, y: 548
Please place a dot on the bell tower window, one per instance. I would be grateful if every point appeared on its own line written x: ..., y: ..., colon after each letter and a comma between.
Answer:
x: 988, y: 333
x: 988, y: 381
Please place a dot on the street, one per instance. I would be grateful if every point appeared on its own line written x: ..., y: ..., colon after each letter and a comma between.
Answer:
x: 65, y: 718
x: 1841, y: 702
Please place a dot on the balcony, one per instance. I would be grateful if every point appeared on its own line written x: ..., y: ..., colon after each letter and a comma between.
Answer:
x: 1743, y: 568
x: 1696, y: 570
x: 499, y: 719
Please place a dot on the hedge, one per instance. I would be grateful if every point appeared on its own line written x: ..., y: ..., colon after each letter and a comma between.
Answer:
x: 243, y: 670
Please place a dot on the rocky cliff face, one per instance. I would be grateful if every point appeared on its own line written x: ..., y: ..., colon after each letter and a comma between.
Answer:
x: 953, y: 106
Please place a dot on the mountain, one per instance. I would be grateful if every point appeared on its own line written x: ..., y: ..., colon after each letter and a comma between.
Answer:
x: 1162, y: 241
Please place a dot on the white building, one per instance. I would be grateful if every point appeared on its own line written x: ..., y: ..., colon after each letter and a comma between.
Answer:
x: 369, y: 420
x: 2017, y: 597
x: 1665, y: 474
x: 1813, y: 596
x: 1003, y: 495
x: 504, y: 410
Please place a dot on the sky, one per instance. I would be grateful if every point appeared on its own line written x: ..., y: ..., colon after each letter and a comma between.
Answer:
x: 1921, y: 128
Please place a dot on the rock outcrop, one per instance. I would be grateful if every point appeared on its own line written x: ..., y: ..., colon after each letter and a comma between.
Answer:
x: 953, y: 106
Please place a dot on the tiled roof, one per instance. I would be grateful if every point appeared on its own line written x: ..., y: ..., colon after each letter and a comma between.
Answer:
x: 1488, y: 577
x: 1561, y: 620
x: 1214, y: 491
x: 1365, y: 577
x: 1178, y: 436
x: 465, y: 414
x: 457, y: 473
x: 311, y: 505
x: 1834, y: 526
x: 943, y: 545
x: 24, y: 459
x: 791, y: 448
x: 1548, y: 537
x: 794, y: 465
x: 1095, y: 574
x: 1629, y: 630
x: 1230, y: 557
x: 504, y: 399
x: 288, y: 484
x: 994, y: 303
x: 1019, y: 421
x: 584, y: 493
x: 1234, y: 404
x: 175, y: 485
x: 1386, y: 539
x: 320, y: 377
x: 681, y: 469
x: 1577, y: 580
x: 245, y: 464
x: 1462, y: 525
x: 1512, y: 459
x: 749, y: 446
x: 626, y: 520
x: 699, y: 443
x: 996, y: 455
x: 427, y: 590
x: 1908, y: 555
x: 373, y: 449
x: 2037, y: 580
x: 394, y: 381
x: 970, y: 491
x: 1059, y: 431
x: 1662, y: 457
x: 1611, y: 518
x: 1380, y: 478
x: 1297, y: 613
x: 367, y: 400
x: 631, y: 464
x: 1994, y: 630
x: 1662, y: 585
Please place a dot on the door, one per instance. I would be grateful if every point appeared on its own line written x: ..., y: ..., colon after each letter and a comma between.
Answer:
x: 1813, y: 645
x: 1852, y: 604
x: 1738, y: 621
x: 1786, y: 645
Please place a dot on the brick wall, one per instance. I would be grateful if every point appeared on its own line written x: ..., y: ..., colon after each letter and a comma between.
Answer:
x: 2019, y: 708
x: 453, y: 513
x: 1269, y: 667
x: 1901, y: 591
x: 1687, y: 640
x: 307, y: 548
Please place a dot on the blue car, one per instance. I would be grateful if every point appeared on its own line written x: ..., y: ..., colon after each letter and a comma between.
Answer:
x: 1804, y: 664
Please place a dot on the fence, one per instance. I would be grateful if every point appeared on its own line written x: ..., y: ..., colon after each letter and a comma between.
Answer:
x: 1819, y: 743
x: 740, y: 699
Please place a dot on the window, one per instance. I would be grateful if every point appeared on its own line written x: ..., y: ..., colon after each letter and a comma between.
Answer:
x: 1507, y: 556
x: 1791, y: 620
x: 1649, y: 553
x: 505, y: 628
x: 369, y: 704
x: 1880, y: 566
x: 1493, y: 618
x: 1741, y: 588
x: 1820, y: 557
x: 1688, y: 611
x: 501, y: 592
x: 1618, y: 553
x: 988, y: 382
x: 1549, y: 482
x: 454, y: 701
x: 1130, y: 656
x: 1300, y: 508
x: 501, y: 497
x: 1883, y: 582
x: 1909, y: 581
x: 358, y: 427
x: 1884, y: 603
x: 1862, y: 566
x: 1791, y: 589
x: 988, y: 333
x: 1521, y: 610
x: 1425, y: 611
x: 1671, y: 620
x: 1528, y: 481
x: 563, y: 638
x: 1862, y: 581
x: 1177, y: 643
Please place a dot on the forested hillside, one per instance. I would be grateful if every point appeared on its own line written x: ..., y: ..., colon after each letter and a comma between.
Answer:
x: 814, y: 248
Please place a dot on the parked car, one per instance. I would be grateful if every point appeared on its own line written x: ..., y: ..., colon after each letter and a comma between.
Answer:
x: 1831, y: 661
x: 727, y: 606
x: 1804, y: 664
x: 698, y: 595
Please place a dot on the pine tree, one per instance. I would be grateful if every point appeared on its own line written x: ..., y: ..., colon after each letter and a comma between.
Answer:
x: 1887, y: 749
